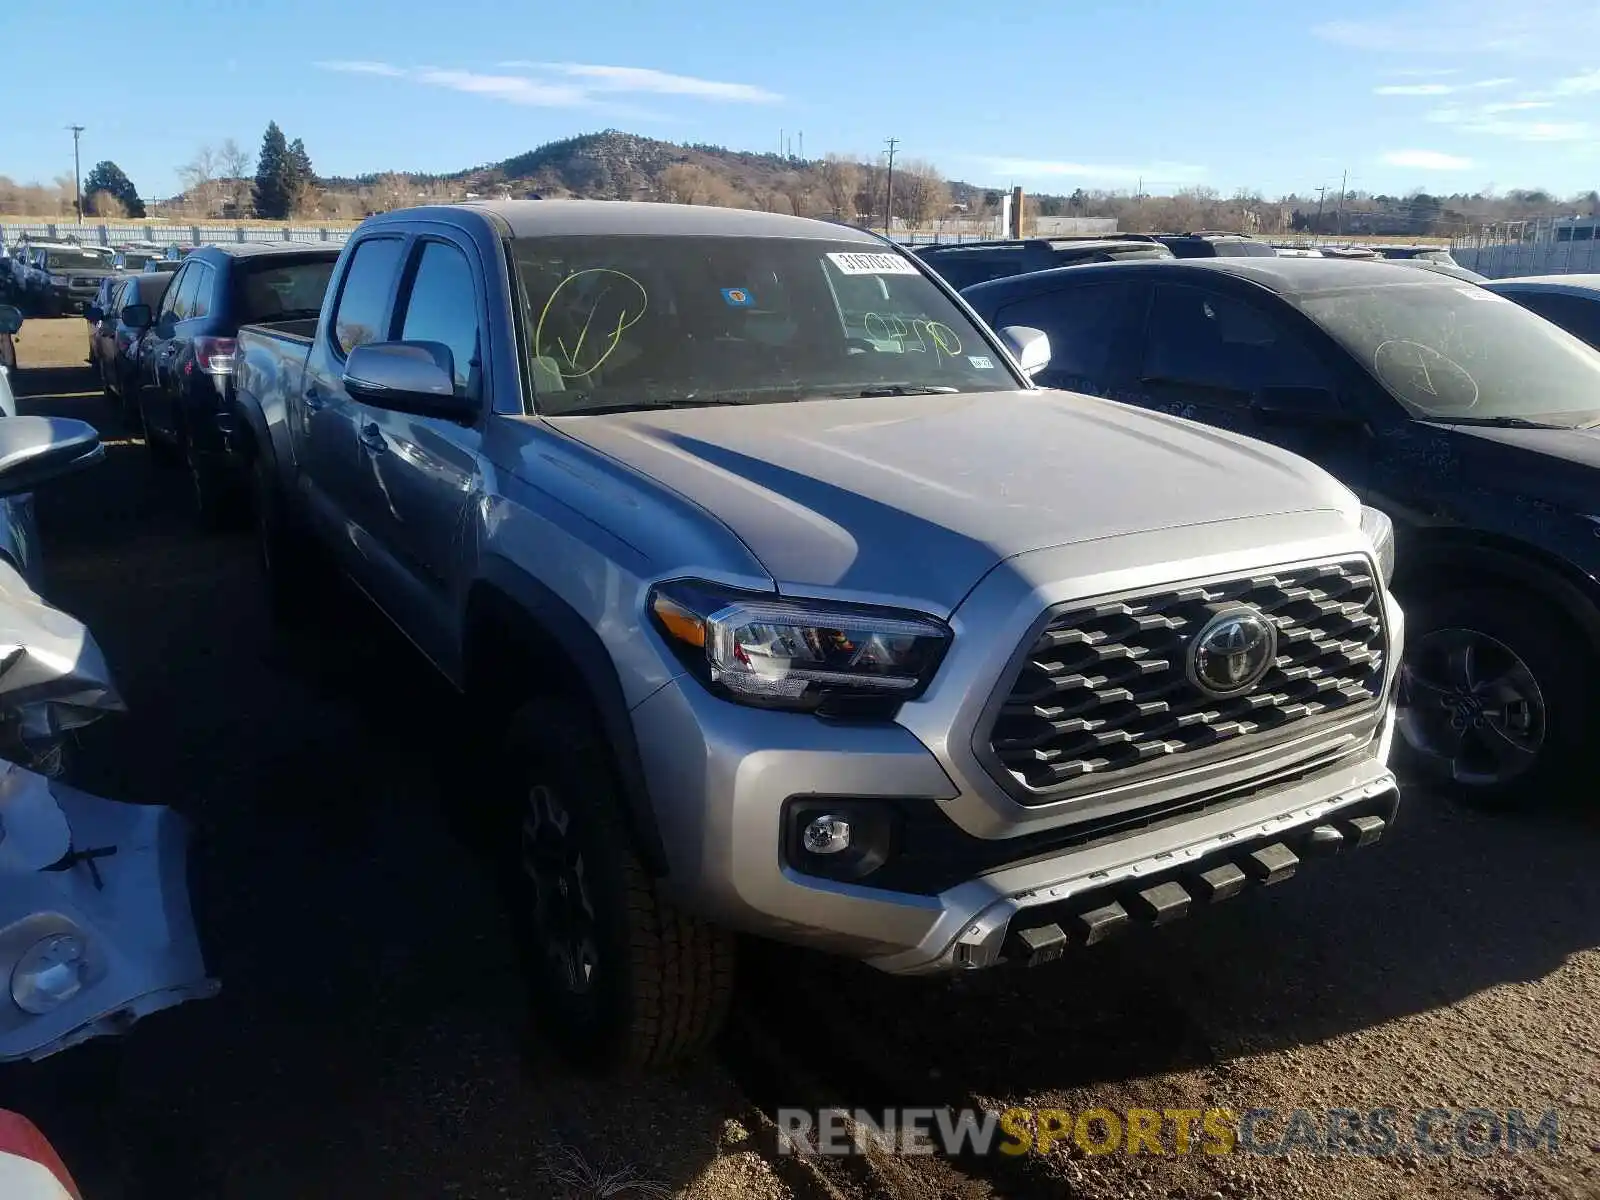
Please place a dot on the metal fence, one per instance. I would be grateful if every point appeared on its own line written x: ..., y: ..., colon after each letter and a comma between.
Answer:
x: 1505, y: 260
x: 165, y: 234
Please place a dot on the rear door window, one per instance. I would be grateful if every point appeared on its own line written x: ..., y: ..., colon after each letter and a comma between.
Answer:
x: 201, y: 303
x: 283, y: 290
x: 442, y: 307
x: 180, y: 300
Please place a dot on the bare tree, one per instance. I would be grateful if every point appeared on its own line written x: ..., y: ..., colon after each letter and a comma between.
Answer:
x: 871, y: 181
x: 688, y: 183
x: 841, y: 180
x: 234, y: 162
x: 105, y: 204
x: 199, y: 176
x: 920, y: 193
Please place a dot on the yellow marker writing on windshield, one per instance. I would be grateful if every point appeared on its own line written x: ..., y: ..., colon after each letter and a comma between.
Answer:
x: 630, y: 304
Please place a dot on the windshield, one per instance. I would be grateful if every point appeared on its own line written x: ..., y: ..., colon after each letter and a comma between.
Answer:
x: 643, y: 321
x: 135, y: 260
x: 284, y: 291
x: 1460, y: 353
x: 69, y: 260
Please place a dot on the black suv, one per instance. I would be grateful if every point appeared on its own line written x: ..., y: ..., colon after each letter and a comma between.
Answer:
x: 1216, y: 245
x: 186, y: 352
x: 1472, y: 422
x: 965, y: 263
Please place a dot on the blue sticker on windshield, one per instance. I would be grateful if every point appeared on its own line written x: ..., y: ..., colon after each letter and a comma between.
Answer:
x: 738, y: 297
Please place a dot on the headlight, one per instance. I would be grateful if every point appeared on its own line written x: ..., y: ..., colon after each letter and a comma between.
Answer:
x: 1380, y: 531
x: 763, y: 650
x: 49, y: 973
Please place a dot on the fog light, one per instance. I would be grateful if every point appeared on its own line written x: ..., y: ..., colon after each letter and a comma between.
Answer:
x: 49, y: 973
x: 827, y: 834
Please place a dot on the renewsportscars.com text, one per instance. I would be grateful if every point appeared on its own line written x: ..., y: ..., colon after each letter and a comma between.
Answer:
x: 1436, y: 1132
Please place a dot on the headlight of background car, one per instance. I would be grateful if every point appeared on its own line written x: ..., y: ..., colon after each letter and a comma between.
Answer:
x: 798, y: 654
x: 1380, y: 530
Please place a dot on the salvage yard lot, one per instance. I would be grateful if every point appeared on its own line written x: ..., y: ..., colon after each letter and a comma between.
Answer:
x: 370, y: 1039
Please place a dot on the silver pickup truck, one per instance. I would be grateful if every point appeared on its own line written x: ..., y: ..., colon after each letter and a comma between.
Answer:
x: 798, y: 610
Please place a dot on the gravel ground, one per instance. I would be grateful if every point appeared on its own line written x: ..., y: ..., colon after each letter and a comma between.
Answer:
x: 371, y: 1036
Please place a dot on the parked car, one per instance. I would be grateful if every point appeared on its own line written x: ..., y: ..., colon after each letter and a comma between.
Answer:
x: 64, y: 279
x: 23, y: 254
x: 1297, y: 252
x: 101, y: 310
x: 965, y: 263
x: 10, y: 322
x: 122, y: 344
x: 1217, y: 245
x: 1439, y: 268
x: 1423, y: 253
x: 135, y: 258
x: 162, y: 266
x: 1463, y: 416
x: 1571, y: 301
x: 854, y: 641
x: 19, y: 530
x: 187, y: 355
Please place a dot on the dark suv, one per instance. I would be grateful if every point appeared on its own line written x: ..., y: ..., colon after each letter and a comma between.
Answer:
x: 1469, y: 420
x: 1217, y: 245
x: 186, y: 355
x: 965, y: 263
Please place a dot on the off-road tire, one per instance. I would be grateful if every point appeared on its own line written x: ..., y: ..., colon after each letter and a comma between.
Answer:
x: 1562, y: 663
x: 665, y: 978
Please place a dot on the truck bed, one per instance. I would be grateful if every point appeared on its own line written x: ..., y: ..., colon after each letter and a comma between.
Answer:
x: 271, y: 367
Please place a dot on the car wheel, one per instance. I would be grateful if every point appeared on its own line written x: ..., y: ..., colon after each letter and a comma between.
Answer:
x: 217, y: 501
x: 622, y: 979
x: 1493, y: 703
x: 160, y: 452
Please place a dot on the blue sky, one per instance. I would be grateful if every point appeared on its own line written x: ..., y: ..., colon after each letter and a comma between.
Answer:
x: 1440, y: 94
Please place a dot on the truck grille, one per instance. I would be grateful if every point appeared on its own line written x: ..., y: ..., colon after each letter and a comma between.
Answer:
x: 1105, y: 688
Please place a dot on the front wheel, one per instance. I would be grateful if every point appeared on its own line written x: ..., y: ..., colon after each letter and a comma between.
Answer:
x: 1493, y: 700
x: 623, y: 979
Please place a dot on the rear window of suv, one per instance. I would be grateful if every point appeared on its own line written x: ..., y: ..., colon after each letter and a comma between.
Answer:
x: 72, y: 260
x: 283, y: 290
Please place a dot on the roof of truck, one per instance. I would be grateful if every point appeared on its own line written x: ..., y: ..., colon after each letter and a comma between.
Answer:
x: 547, y: 218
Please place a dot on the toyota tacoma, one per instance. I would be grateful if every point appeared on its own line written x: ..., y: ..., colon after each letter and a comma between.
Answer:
x: 798, y: 610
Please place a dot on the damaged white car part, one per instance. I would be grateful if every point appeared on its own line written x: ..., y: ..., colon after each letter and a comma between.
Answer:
x: 95, y: 925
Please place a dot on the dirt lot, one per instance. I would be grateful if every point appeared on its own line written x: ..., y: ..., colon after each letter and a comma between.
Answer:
x: 370, y: 1039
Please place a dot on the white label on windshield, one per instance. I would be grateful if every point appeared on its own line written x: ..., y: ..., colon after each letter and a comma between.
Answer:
x: 981, y: 361
x: 872, y: 264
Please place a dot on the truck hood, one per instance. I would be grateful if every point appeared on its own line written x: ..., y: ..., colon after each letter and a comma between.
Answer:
x: 913, y: 499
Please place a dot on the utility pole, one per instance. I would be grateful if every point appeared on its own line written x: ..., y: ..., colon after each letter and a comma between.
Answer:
x: 802, y: 145
x: 77, y: 173
x: 888, y: 191
x: 1321, y: 192
x: 1338, y: 212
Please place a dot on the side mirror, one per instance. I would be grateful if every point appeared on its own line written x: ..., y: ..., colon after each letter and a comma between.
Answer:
x: 1029, y: 346
x: 36, y: 450
x: 137, y: 316
x: 1312, y: 407
x: 410, y: 377
x: 10, y: 319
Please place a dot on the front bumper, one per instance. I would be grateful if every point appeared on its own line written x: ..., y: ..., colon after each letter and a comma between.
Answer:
x: 971, y: 877
x: 721, y: 817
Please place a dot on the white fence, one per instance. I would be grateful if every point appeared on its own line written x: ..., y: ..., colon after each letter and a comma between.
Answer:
x: 164, y: 234
x: 1504, y: 260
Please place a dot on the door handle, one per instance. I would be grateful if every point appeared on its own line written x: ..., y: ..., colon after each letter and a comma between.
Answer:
x: 372, y: 439
x: 315, y: 401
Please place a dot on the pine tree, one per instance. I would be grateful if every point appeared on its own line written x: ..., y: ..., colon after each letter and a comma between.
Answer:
x: 272, y: 195
x: 108, y: 177
x: 300, y: 179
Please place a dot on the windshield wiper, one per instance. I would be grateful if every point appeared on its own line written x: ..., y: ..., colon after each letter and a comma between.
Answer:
x: 1499, y: 422
x: 902, y: 389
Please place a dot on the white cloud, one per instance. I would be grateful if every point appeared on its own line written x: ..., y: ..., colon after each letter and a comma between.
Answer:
x: 1550, y: 29
x: 1515, y: 106
x: 644, y: 79
x: 362, y: 68
x: 580, y: 85
x: 1425, y: 72
x: 1577, y: 85
x: 1437, y: 89
x: 1415, y: 89
x: 1532, y: 131
x: 1159, y: 174
x: 1426, y: 160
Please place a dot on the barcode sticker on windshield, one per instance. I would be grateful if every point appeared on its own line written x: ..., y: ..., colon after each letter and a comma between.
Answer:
x: 872, y: 264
